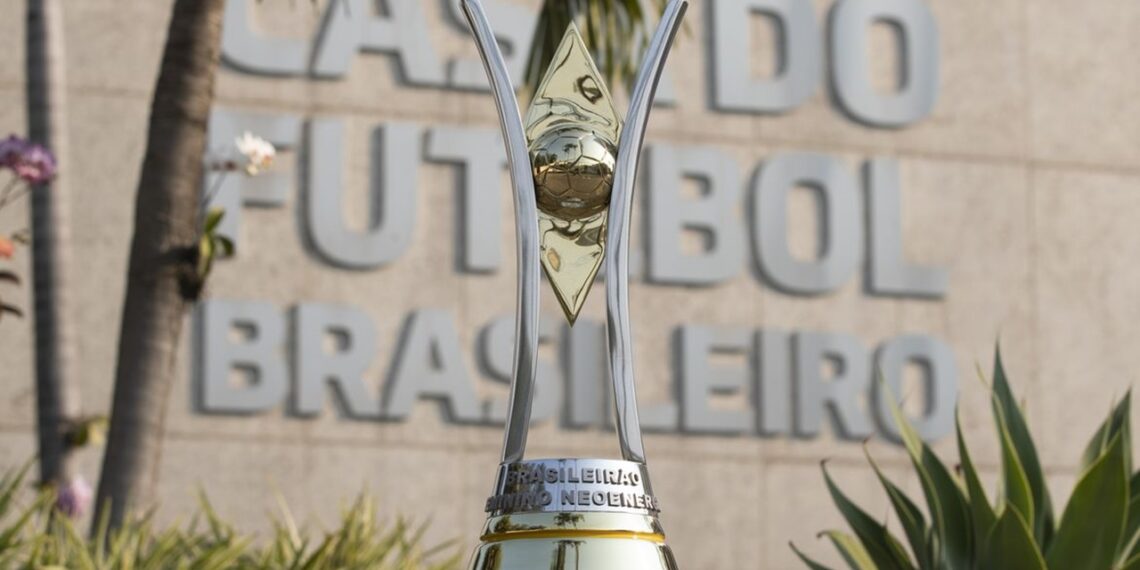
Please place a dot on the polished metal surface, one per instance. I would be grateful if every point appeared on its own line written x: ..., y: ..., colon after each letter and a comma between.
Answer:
x: 621, y: 210
x: 573, y: 171
x: 572, y: 128
x: 573, y: 513
x: 580, y: 541
x: 572, y: 485
x: 526, y: 216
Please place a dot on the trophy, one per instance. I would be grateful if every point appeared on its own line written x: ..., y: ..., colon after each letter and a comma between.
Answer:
x: 572, y: 165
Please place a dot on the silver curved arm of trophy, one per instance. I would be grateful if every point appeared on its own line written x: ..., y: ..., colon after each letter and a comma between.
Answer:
x: 618, y: 329
x: 526, y: 228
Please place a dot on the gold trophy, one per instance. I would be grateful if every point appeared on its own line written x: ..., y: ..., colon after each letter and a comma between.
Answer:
x: 572, y: 165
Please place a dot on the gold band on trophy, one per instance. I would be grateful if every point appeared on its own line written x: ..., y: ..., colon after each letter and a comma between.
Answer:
x: 572, y: 167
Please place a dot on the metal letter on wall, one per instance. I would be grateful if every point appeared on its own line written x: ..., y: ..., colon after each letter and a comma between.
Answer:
x: 941, y: 384
x: 701, y: 379
x: 343, y: 367
x: 714, y: 214
x: 248, y: 51
x: 851, y: 70
x: 888, y: 272
x: 353, y: 25
x: 396, y: 152
x: 774, y: 393
x: 479, y: 154
x: 514, y: 29
x: 842, y: 223
x: 258, y: 355
x: 429, y: 364
x: 841, y: 394
x: 802, y: 60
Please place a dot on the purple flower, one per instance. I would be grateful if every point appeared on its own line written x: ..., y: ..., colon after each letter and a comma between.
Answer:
x: 31, y: 162
x: 11, y: 149
x: 74, y: 497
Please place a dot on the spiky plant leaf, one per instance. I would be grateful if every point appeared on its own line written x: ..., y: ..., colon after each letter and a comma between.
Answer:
x: 1008, y: 417
x: 1010, y: 546
x: 981, y: 512
x: 811, y: 564
x: 910, y: 517
x: 1100, y: 528
x: 30, y: 538
x: 1118, y: 422
x: 1093, y: 521
x: 880, y: 546
x: 945, y: 500
x: 1132, y: 564
x: 1131, y: 538
x: 1015, y: 482
x: 852, y: 551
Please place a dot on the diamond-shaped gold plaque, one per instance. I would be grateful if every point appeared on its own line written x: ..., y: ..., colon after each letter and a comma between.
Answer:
x: 572, y: 129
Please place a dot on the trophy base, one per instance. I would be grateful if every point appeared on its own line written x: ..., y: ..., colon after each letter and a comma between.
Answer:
x: 573, y: 514
x: 573, y: 541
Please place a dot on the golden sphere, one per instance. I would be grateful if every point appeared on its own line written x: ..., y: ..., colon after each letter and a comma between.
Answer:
x: 573, y: 172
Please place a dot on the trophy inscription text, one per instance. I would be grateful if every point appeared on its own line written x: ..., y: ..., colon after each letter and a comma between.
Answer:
x: 572, y: 485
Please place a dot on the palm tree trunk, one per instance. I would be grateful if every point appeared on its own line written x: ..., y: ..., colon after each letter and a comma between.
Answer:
x: 166, y: 215
x: 57, y: 390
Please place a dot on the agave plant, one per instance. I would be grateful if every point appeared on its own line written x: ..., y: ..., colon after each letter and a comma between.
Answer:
x: 961, y: 529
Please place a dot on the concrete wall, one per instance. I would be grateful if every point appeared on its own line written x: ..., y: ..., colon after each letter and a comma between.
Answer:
x: 1022, y: 184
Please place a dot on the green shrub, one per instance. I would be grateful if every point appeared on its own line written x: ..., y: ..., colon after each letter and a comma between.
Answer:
x: 32, y: 536
x: 962, y: 530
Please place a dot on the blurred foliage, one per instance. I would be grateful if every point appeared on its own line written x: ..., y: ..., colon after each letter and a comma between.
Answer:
x: 32, y: 536
x: 211, y: 244
x: 961, y: 529
x: 616, y: 31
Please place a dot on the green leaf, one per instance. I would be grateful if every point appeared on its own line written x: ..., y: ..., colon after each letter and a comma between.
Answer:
x: 1119, y: 421
x: 946, y: 501
x: 910, y: 516
x: 1132, y: 527
x: 880, y: 545
x: 811, y: 564
x: 1132, y: 564
x: 225, y: 244
x: 981, y: 512
x: 213, y: 218
x: 1018, y: 493
x: 1009, y: 546
x: 1131, y: 530
x: 205, y: 256
x: 852, y: 551
x: 1008, y: 416
x: 1093, y: 522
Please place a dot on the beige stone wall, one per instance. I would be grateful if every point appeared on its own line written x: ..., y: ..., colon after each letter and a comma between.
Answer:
x: 1022, y: 183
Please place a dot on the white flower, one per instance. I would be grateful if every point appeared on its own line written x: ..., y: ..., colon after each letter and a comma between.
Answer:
x: 249, y: 153
x: 258, y: 152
